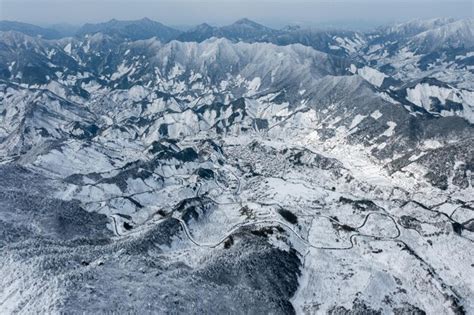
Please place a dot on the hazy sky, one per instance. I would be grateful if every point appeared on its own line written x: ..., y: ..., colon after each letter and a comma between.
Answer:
x: 270, y: 12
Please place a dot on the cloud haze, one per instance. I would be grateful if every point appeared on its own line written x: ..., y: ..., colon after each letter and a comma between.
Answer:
x: 273, y: 13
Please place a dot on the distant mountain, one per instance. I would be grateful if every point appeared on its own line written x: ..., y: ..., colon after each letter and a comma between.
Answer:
x: 132, y: 30
x: 245, y: 29
x: 200, y: 33
x: 425, y: 36
x: 29, y: 29
x: 65, y: 30
x: 438, y: 48
x: 413, y: 27
x: 455, y: 35
x: 241, y: 30
x: 333, y: 42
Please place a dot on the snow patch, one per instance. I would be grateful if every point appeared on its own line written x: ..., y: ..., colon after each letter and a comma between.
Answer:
x: 391, y: 129
x: 357, y: 119
x: 254, y: 85
x: 68, y: 48
x: 371, y: 75
x: 376, y: 115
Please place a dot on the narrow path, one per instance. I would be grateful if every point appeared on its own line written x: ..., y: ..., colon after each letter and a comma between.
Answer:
x: 292, y: 230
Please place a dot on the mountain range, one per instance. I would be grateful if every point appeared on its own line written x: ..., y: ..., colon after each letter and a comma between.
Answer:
x: 237, y: 169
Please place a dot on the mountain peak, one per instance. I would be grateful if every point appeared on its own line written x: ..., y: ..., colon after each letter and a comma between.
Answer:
x: 133, y: 29
x: 291, y: 28
x: 247, y: 22
x: 203, y: 26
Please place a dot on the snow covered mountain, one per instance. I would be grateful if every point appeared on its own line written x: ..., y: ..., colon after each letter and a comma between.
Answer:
x: 237, y: 169
x: 412, y: 28
x: 131, y: 30
x: 335, y: 42
x: 29, y: 29
x: 437, y: 48
x: 455, y: 35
